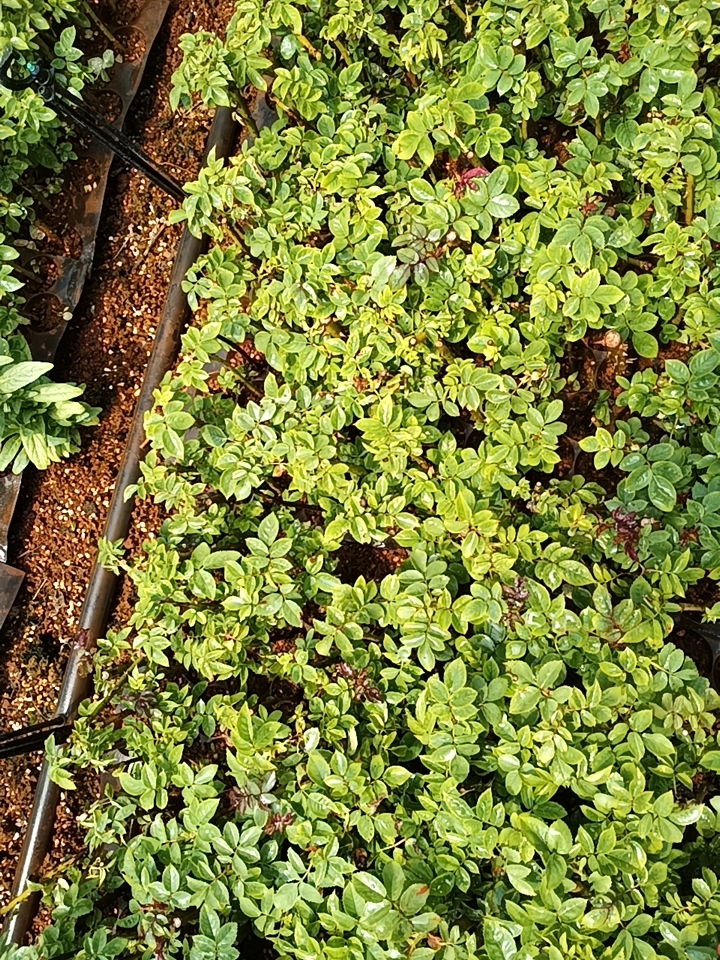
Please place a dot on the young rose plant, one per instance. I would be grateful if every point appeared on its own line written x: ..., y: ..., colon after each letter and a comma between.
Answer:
x: 397, y: 682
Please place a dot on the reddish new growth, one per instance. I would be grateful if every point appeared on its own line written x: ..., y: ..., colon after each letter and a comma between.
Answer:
x: 361, y: 858
x: 627, y: 530
x: 464, y: 180
x: 278, y: 822
x: 359, y: 683
x: 515, y: 596
x: 688, y: 535
x: 282, y: 646
x: 624, y: 53
x: 590, y: 206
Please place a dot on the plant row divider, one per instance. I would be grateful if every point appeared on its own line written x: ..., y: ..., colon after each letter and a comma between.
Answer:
x: 77, y: 683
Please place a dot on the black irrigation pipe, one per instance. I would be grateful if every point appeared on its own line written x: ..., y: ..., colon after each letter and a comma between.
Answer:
x: 77, y: 685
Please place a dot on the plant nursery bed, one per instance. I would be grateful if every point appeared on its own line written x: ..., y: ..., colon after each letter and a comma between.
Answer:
x: 416, y: 665
x: 62, y: 510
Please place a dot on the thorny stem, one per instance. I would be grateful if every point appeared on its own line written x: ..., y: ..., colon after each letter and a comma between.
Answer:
x: 59, y: 870
x: 283, y: 107
x: 278, y: 493
x: 643, y: 264
x: 242, y: 109
x: 97, y: 21
x: 101, y: 704
x: 47, y: 51
x: 343, y: 50
x: 237, y: 237
x: 689, y: 199
x: 422, y: 463
x: 49, y: 233
x: 308, y: 46
x: 28, y: 274
x: 253, y: 389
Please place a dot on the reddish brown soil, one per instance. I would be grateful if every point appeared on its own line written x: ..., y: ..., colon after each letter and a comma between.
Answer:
x: 62, y: 511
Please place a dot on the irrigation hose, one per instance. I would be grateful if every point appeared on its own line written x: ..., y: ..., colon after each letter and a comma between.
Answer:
x: 77, y: 685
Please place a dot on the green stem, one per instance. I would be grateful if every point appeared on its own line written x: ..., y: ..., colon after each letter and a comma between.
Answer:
x: 227, y: 342
x: 524, y: 129
x: 689, y: 199
x: 15, y: 902
x: 38, y: 198
x: 343, y: 51
x: 244, y: 380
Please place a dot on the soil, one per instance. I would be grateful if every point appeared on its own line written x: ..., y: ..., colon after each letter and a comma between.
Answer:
x: 62, y: 511
x: 694, y: 647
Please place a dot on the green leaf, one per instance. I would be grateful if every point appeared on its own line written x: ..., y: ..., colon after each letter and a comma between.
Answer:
x: 369, y: 887
x: 268, y: 529
x: 649, y: 84
x: 662, y: 493
x: 607, y: 295
x: 498, y: 940
x: 318, y: 769
x: 382, y: 270
x: 421, y: 191
x: 575, y: 573
x: 711, y: 760
x: 413, y: 899
x: 645, y: 344
x: 516, y: 874
x: 502, y: 206
x: 571, y: 910
x: 658, y: 744
x: 524, y: 700
x: 582, y: 250
x: 21, y: 374
x: 406, y: 144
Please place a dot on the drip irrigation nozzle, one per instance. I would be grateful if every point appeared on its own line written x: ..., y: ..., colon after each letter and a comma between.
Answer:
x: 40, y: 76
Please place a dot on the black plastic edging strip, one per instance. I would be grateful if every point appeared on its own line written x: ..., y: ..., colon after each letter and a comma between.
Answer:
x: 77, y: 685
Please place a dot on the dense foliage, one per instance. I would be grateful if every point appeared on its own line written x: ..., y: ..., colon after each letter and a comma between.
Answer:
x: 34, y: 145
x: 392, y: 688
